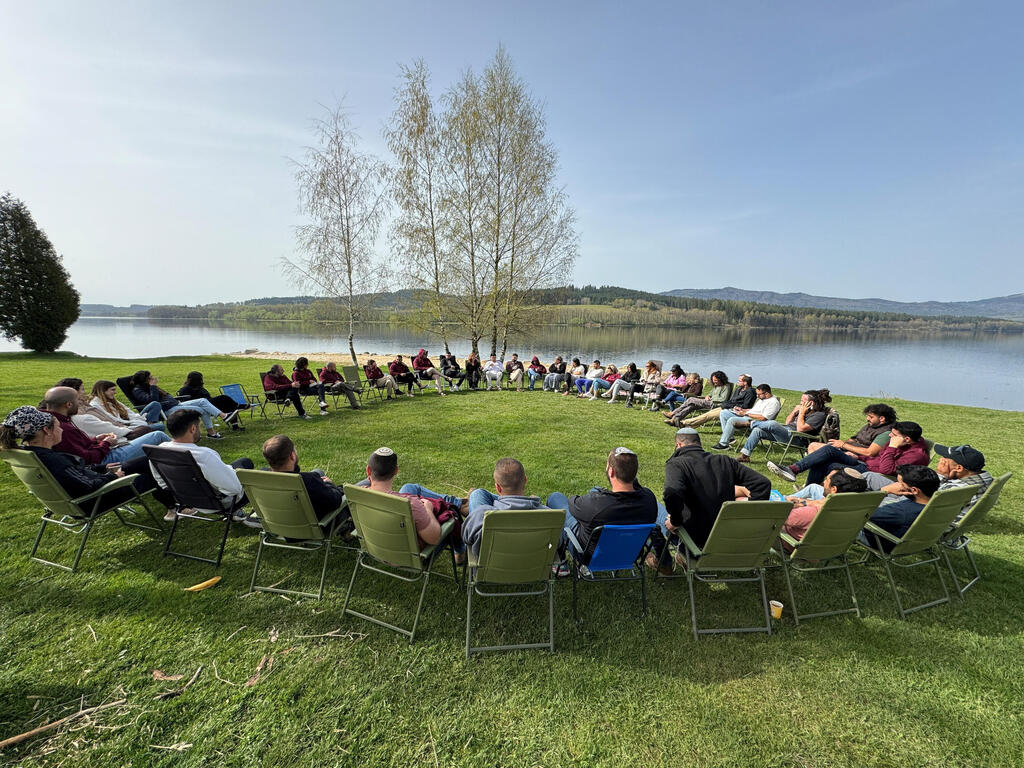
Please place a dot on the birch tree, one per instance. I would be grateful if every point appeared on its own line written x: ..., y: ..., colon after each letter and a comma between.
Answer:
x: 344, y: 193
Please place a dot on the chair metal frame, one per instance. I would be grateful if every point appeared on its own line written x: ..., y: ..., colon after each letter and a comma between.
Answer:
x: 636, y: 564
x: 204, y: 500
x: 328, y: 392
x: 357, y: 496
x: 27, y: 463
x: 773, y: 515
x: 827, y: 556
x: 554, y: 519
x: 365, y: 385
x: 236, y: 391
x: 955, y: 540
x: 250, y: 479
x: 922, y: 540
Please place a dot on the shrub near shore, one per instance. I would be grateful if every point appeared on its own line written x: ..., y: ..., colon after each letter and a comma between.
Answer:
x: 941, y: 689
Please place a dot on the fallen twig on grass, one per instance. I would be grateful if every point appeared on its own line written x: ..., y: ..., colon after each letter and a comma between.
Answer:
x: 160, y: 675
x: 57, y: 723
x: 262, y: 669
x: 275, y: 584
x: 93, y: 631
x: 221, y: 678
x: 336, y: 633
x: 181, y: 746
x: 179, y: 691
x: 236, y: 632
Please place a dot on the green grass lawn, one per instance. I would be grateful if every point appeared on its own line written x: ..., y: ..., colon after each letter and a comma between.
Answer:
x: 942, y: 689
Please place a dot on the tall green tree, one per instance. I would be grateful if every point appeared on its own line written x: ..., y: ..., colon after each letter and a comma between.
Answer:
x: 37, y: 301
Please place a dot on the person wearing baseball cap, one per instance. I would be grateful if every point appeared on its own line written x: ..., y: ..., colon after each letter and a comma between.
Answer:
x: 959, y: 466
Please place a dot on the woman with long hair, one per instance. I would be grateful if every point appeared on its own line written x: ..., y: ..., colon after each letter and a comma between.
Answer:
x: 146, y: 391
x: 721, y: 390
x: 194, y: 388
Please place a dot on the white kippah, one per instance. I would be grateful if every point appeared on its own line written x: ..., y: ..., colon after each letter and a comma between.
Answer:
x: 384, y: 451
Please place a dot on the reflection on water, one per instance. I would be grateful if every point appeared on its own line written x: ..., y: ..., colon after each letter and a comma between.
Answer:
x: 964, y: 369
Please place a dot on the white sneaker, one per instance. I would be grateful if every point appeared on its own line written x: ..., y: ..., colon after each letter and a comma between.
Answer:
x: 323, y: 411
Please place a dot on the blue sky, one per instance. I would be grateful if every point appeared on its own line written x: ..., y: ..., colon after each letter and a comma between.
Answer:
x: 848, y: 149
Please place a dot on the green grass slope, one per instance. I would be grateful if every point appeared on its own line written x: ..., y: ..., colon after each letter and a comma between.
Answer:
x: 293, y: 682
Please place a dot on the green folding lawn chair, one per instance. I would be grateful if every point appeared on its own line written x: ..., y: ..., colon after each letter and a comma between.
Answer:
x: 387, y: 537
x: 956, y: 540
x: 351, y: 374
x: 922, y: 540
x: 517, y: 548
x: 289, y: 522
x: 825, y: 545
x: 76, y: 516
x: 740, y: 540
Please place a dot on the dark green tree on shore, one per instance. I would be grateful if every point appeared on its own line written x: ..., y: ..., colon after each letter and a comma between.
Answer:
x: 37, y: 301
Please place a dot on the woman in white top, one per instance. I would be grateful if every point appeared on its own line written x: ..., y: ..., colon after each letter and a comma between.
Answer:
x: 105, y: 405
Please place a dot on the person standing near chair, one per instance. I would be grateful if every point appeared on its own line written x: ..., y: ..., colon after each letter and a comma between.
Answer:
x: 324, y: 496
x: 381, y: 470
x: 625, y: 502
x: 380, y: 380
x: 40, y: 432
x: 194, y: 388
x: 335, y: 383
x: 807, y: 418
x: 146, y: 391
x: 185, y: 436
x: 278, y: 385
x: 105, y: 448
x: 766, y: 408
x: 402, y: 375
x: 307, y: 384
x: 697, y: 483
x: 743, y: 397
x: 510, y: 493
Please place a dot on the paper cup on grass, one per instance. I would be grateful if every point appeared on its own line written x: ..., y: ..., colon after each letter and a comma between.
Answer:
x: 776, y: 607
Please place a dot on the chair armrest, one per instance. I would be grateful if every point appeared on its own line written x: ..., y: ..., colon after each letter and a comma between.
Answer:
x: 182, y: 398
x: 872, y: 528
x: 121, y: 482
x: 684, y: 537
x: 785, y: 537
x: 573, y: 541
x: 446, y: 529
x: 330, y: 517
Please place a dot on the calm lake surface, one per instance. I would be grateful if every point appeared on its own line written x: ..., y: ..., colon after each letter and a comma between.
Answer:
x: 963, y: 369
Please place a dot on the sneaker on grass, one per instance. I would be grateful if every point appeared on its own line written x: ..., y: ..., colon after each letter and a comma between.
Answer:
x: 784, y: 472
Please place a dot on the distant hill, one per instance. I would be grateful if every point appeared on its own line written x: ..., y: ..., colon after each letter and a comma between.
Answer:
x: 1003, y: 307
x: 109, y: 310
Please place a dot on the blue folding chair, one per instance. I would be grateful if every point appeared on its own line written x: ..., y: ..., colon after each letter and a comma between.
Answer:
x: 611, y: 550
x: 237, y: 393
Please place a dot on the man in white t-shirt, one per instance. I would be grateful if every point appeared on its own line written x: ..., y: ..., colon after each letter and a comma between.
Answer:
x: 765, y: 408
x: 184, y: 428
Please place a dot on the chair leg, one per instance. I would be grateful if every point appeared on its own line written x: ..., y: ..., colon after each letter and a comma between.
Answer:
x: 693, y: 606
x: 351, y: 583
x: 849, y: 580
x: 643, y: 592
x: 223, y: 539
x: 256, y: 565
x: 952, y: 573
x: 323, y: 571
x: 469, y: 612
x: 575, y: 581
x: 39, y: 538
x: 895, y: 592
x: 419, y: 605
x: 170, y: 536
x: 764, y: 599
x: 551, y: 614
x: 789, y: 588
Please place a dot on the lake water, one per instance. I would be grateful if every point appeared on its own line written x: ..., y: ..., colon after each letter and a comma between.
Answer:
x: 963, y: 369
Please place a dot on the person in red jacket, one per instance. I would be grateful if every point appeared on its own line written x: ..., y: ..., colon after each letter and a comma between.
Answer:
x: 426, y: 370
x: 307, y: 384
x: 277, y: 386
x: 401, y: 373
x: 335, y: 383
x: 905, y: 447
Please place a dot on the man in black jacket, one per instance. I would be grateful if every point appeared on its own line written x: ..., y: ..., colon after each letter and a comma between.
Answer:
x: 743, y: 396
x: 324, y: 495
x: 697, y: 483
x: 626, y: 503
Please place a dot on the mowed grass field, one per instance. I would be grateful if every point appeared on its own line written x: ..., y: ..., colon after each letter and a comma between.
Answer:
x: 293, y: 682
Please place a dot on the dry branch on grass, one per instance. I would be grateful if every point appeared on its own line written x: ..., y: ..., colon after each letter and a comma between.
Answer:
x: 58, y: 723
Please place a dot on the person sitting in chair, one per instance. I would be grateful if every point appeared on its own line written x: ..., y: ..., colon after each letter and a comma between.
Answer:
x: 402, y: 375
x: 537, y: 370
x: 335, y: 383
x: 145, y: 392
x: 452, y: 371
x: 38, y: 431
x: 380, y: 380
x: 280, y: 388
x: 626, y: 502
x: 766, y: 408
x: 381, y: 470
x: 846, y: 480
x: 324, y: 495
x: 514, y: 370
x: 425, y: 370
x: 807, y: 418
x: 921, y: 484
x: 493, y: 371
x: 307, y: 384
x: 185, y: 436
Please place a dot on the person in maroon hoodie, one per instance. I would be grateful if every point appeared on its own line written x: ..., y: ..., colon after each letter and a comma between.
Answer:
x: 537, y: 370
x: 401, y: 373
x: 905, y: 447
x: 278, y: 386
x: 380, y: 380
x: 335, y: 383
x: 307, y: 384
x: 426, y: 370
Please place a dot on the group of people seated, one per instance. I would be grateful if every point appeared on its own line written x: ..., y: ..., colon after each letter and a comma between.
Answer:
x: 89, y: 440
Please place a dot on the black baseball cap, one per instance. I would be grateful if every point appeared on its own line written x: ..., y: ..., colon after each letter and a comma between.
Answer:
x: 964, y: 455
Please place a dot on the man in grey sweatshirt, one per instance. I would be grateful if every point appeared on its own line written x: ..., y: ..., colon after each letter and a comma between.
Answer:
x: 510, y: 484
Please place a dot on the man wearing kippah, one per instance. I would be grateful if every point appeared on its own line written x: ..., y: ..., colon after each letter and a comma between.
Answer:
x: 625, y: 503
x: 381, y: 470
